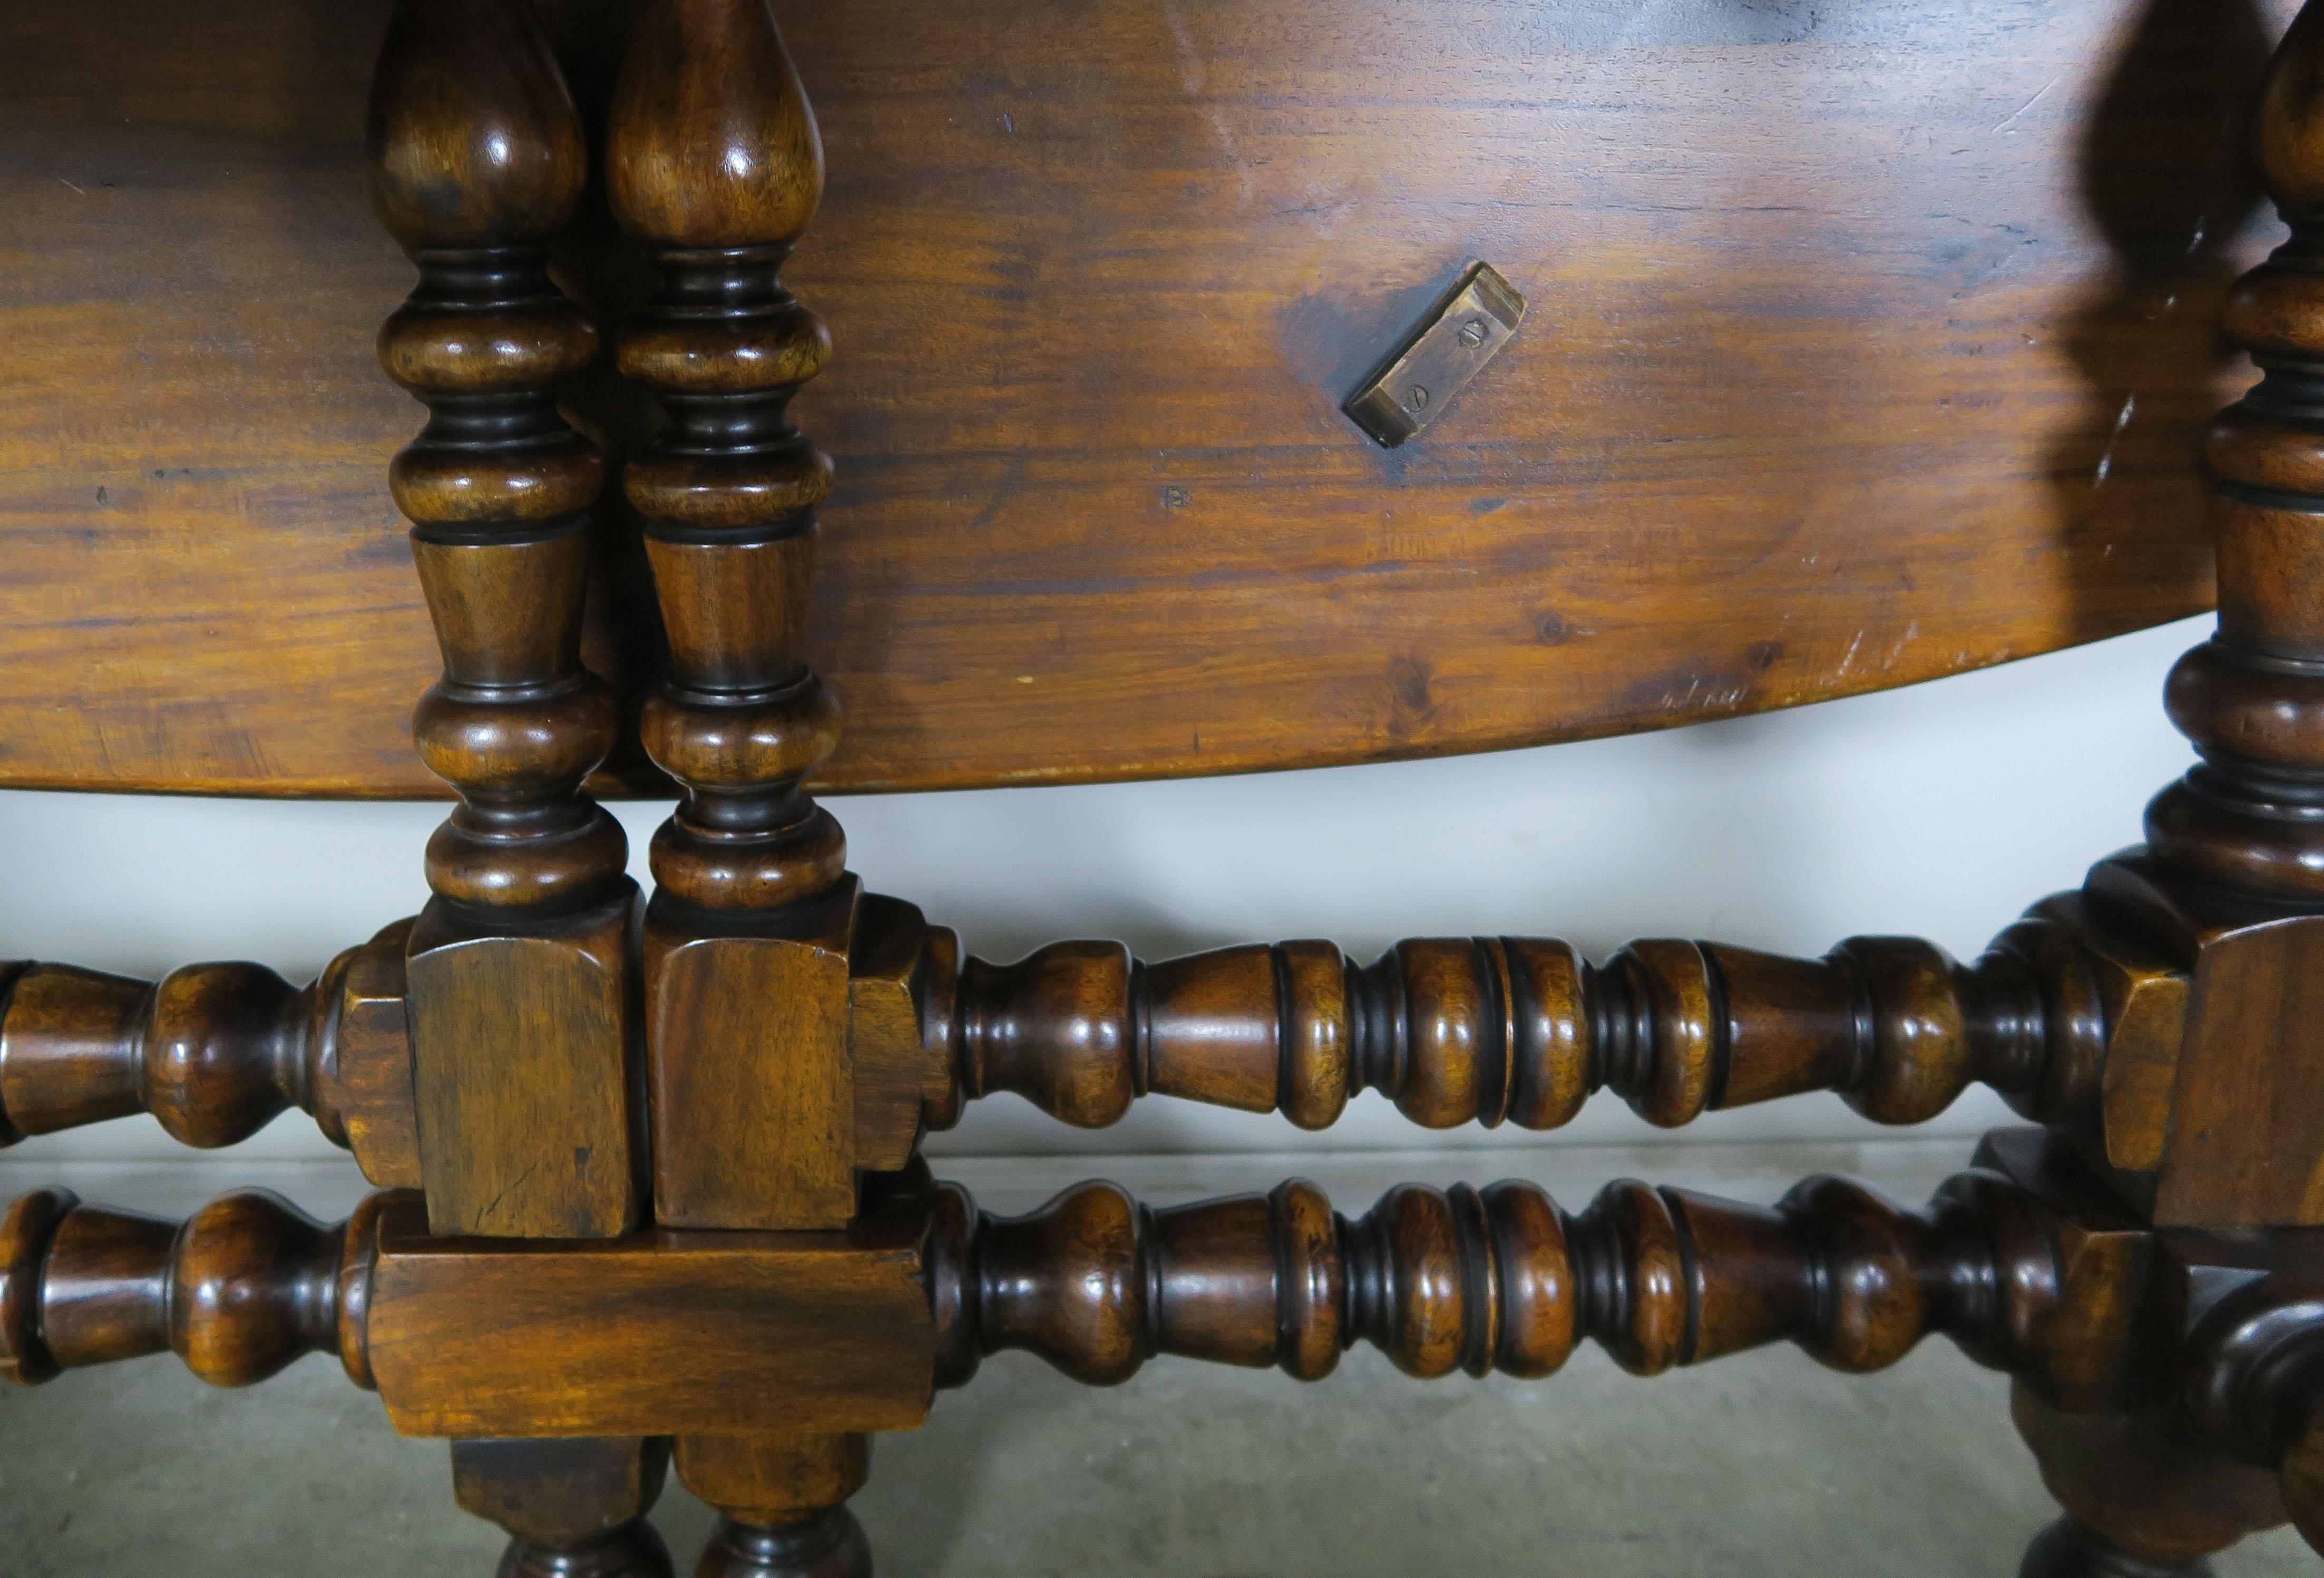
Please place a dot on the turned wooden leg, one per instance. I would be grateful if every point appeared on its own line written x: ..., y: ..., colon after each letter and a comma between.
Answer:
x: 2142, y: 1499
x: 782, y: 1501
x: 574, y: 1509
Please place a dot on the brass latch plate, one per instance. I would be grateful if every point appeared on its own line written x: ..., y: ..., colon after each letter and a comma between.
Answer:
x: 1435, y: 363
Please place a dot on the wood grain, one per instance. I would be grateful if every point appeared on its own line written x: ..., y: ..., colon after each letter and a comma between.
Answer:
x: 2243, y: 1145
x: 1489, y: 1030
x: 238, y: 1290
x: 368, y: 1063
x: 753, y: 1092
x: 781, y: 1500
x: 897, y: 968
x: 713, y: 167
x: 1504, y: 1280
x: 659, y: 1333
x: 1866, y: 346
x: 523, y: 1069
x: 2236, y: 867
x: 572, y: 1506
x: 215, y: 1051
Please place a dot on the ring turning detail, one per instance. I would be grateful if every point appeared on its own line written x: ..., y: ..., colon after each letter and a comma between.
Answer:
x: 652, y: 1191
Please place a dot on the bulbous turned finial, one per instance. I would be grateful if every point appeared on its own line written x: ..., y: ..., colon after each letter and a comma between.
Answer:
x: 715, y: 165
x: 473, y: 136
x: 2291, y: 121
x: 713, y: 143
x: 477, y: 162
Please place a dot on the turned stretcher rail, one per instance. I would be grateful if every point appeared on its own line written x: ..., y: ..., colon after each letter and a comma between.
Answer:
x: 1523, y: 1029
x: 215, y: 1051
x: 1453, y: 1031
x: 238, y: 1290
x: 1498, y: 1278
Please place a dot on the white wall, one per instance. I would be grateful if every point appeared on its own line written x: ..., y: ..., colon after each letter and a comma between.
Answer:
x: 1941, y: 810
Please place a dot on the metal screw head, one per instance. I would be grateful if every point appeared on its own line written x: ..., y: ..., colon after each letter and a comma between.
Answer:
x: 1472, y: 333
x: 1416, y: 397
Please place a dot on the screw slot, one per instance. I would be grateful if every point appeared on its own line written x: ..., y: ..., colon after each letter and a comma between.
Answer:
x: 1420, y: 381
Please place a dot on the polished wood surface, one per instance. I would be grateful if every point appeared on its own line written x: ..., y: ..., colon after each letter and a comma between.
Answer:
x: 2251, y: 700
x: 238, y: 1290
x: 2145, y: 1496
x: 2075, y: 1013
x: 712, y: 166
x: 658, y: 1333
x: 782, y: 1501
x: 2227, y: 891
x: 477, y: 162
x: 1494, y: 1279
x: 2074, y: 1018
x: 524, y: 1081
x: 898, y: 966
x: 215, y: 1051
x: 2256, y: 1383
x: 2142, y: 1265
x: 2237, y: 866
x: 2027, y: 1277
x: 1878, y: 357
x: 573, y: 1508
x: 2164, y: 1417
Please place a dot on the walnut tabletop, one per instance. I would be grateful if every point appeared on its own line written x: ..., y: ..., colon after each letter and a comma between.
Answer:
x: 1863, y: 345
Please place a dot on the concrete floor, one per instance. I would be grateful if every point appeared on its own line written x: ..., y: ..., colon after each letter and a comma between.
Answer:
x: 1760, y: 1463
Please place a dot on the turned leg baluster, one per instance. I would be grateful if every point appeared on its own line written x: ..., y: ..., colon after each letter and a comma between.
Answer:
x: 2237, y: 865
x: 2252, y: 700
x: 478, y: 163
x: 714, y: 166
x: 2228, y: 885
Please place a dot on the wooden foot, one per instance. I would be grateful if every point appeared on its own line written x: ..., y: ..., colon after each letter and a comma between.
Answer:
x: 829, y: 1544
x: 574, y: 1509
x: 781, y: 1504
x: 2070, y: 1550
x: 2142, y: 1499
x: 632, y: 1551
